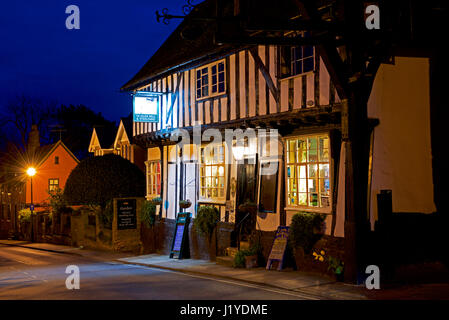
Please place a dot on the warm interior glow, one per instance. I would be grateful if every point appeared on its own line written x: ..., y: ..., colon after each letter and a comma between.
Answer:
x: 31, y: 171
x: 238, y: 152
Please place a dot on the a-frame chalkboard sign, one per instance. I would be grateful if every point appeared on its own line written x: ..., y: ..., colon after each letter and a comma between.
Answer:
x: 180, y: 244
x: 279, y: 247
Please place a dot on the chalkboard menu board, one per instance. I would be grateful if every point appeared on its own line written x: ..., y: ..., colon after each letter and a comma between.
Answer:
x: 279, y: 246
x: 179, y: 234
x: 126, y: 214
x: 180, y: 245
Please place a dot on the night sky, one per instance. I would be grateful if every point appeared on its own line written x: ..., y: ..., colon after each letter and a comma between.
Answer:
x: 42, y: 59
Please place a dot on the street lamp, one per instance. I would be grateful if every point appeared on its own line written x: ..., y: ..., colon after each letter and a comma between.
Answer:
x: 31, y: 172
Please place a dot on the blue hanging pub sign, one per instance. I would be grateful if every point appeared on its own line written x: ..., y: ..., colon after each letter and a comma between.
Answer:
x: 146, y: 106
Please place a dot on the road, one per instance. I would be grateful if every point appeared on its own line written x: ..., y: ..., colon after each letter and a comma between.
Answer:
x: 34, y: 274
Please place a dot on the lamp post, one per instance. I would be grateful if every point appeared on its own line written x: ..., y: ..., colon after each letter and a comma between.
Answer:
x: 31, y: 172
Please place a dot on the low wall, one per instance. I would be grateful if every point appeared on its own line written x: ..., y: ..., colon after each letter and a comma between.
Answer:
x: 88, y: 232
x: 332, y: 247
x: 159, y: 239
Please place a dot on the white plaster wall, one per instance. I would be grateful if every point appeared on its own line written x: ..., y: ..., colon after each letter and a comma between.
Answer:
x: 402, y: 153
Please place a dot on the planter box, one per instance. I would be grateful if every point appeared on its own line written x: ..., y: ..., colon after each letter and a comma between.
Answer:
x: 251, y: 261
x: 305, y: 261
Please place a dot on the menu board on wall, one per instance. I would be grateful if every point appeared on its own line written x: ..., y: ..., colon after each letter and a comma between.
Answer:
x: 126, y: 214
x: 277, y: 253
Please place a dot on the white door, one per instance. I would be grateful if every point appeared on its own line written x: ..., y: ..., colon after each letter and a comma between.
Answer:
x: 190, y: 183
x: 171, y: 192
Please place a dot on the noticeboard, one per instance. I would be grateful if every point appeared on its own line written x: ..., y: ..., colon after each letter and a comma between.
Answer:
x: 126, y: 214
x: 279, y: 246
x: 180, y: 244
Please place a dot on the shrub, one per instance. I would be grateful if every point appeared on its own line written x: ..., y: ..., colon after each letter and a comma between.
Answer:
x: 206, y: 220
x: 24, y: 215
x: 239, y: 259
x: 303, y: 230
x: 97, y: 180
x: 57, y: 200
x: 148, y: 213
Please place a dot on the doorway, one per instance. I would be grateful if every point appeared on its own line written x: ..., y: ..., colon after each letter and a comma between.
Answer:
x: 246, y: 195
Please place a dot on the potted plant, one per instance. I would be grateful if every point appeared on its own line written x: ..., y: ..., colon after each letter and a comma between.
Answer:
x: 148, y: 218
x: 248, y: 206
x: 156, y: 201
x: 305, y: 230
x: 247, y: 258
x: 337, y: 267
x: 184, y: 204
x: 205, y: 223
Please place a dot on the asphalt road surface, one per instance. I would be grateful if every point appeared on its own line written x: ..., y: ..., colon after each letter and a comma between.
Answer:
x: 33, y: 274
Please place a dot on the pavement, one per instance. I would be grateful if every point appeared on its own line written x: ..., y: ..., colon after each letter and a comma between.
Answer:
x: 312, y: 285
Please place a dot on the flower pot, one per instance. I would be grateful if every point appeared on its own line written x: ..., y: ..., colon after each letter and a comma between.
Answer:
x: 251, y: 261
x: 185, y: 205
x: 156, y: 202
x: 340, y: 277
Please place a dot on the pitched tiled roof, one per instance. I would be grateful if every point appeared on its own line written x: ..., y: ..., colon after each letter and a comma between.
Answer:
x: 177, y: 52
x: 43, y: 152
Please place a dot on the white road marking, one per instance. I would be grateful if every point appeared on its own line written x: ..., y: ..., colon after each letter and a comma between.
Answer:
x: 235, y: 282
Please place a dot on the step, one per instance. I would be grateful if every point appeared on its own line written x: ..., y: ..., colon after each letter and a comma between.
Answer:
x: 225, y: 261
x: 231, y: 251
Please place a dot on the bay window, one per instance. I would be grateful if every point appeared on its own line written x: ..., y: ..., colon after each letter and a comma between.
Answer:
x: 308, y: 171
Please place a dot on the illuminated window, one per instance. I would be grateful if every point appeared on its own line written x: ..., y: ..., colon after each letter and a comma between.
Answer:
x: 210, y: 80
x: 153, y: 178
x: 53, y: 184
x: 307, y: 171
x: 212, y: 172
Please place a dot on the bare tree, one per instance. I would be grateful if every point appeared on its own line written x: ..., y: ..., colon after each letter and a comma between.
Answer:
x: 23, y: 112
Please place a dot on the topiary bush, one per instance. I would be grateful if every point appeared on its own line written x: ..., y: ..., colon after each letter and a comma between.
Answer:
x: 206, y: 220
x: 148, y: 213
x: 306, y: 229
x: 97, y: 180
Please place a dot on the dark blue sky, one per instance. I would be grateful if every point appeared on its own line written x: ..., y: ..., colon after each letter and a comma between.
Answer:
x: 40, y: 58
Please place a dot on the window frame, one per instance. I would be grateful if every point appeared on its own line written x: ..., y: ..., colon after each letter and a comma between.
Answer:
x: 290, y: 62
x: 209, y: 74
x: 52, y: 184
x: 158, y: 186
x: 218, y: 198
x: 56, y: 159
x: 296, y: 165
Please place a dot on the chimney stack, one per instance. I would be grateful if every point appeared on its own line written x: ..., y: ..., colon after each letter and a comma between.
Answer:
x: 33, y: 139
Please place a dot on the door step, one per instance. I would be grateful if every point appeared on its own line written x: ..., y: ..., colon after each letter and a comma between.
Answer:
x: 225, y: 261
x: 231, y: 251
